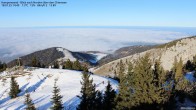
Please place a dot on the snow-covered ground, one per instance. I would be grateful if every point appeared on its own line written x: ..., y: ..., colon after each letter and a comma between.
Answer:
x: 39, y: 83
x: 67, y: 55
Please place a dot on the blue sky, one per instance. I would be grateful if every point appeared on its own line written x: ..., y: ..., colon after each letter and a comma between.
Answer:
x: 171, y: 13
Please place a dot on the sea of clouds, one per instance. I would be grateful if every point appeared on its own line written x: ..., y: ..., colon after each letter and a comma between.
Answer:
x: 16, y: 42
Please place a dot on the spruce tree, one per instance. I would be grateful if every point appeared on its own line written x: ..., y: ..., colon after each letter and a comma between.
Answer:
x: 85, y: 68
x: 3, y: 66
x: 68, y: 65
x: 161, y: 87
x: 123, y: 100
x: 189, y: 66
x: 34, y: 62
x: 147, y: 88
x: 14, y: 88
x: 38, y: 64
x: 88, y: 93
x: 181, y: 87
x: 109, y: 98
x: 179, y: 70
x: 56, y: 98
x: 99, y: 101
x: 19, y: 62
x: 174, y: 68
x: 76, y: 65
x: 121, y: 71
x: 29, y: 103
x: 194, y: 62
x: 56, y: 65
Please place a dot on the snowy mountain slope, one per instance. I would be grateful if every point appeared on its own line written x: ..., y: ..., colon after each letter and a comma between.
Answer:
x: 50, y: 55
x: 39, y: 83
x: 67, y: 54
x: 182, y: 48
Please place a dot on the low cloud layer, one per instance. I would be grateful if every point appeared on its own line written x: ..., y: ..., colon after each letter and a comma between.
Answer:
x: 16, y: 42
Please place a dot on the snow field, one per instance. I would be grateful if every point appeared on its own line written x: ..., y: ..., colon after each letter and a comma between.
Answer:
x: 40, y: 86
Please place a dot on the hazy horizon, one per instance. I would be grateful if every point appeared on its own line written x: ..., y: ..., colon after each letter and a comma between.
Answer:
x: 22, y: 41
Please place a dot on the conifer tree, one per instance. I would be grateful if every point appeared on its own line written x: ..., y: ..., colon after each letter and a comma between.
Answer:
x: 88, y: 93
x: 194, y: 62
x: 56, y: 65
x: 99, y: 101
x: 159, y: 75
x: 181, y: 87
x: 174, y: 68
x: 3, y: 66
x: 38, y: 64
x: 147, y: 88
x: 121, y: 71
x: 14, y: 88
x: 56, y: 98
x: 68, y: 64
x: 76, y: 65
x: 179, y: 71
x: 109, y: 98
x: 19, y: 62
x: 189, y: 66
x: 124, y: 96
x: 43, y: 66
x: 85, y: 68
x: 34, y: 62
x: 29, y: 103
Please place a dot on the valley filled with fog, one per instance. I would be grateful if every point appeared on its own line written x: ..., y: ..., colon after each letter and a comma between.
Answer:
x: 16, y: 42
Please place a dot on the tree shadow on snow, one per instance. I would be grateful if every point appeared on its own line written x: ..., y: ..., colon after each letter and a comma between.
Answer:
x: 34, y: 101
x: 33, y: 87
x: 23, y: 90
x: 72, y: 103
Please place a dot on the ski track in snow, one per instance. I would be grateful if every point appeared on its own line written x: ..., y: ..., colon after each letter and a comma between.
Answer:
x: 40, y: 86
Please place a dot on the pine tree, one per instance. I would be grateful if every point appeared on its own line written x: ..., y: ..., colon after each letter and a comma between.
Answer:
x: 123, y: 100
x: 147, y: 88
x: 56, y: 98
x: 88, y: 93
x: 162, y: 92
x: 174, y: 68
x: 109, y: 98
x: 99, y: 101
x: 85, y: 68
x: 121, y: 71
x: 76, y: 65
x: 29, y: 103
x: 68, y: 65
x: 181, y: 87
x: 38, y: 64
x: 189, y: 66
x: 14, y: 88
x: 194, y: 62
x: 3, y: 66
x: 34, y: 62
x: 19, y: 62
x: 179, y: 70
x: 43, y: 66
x: 56, y: 65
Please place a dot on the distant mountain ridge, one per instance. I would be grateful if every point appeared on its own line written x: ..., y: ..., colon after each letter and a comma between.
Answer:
x: 50, y: 55
x: 184, y: 48
x: 125, y: 51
